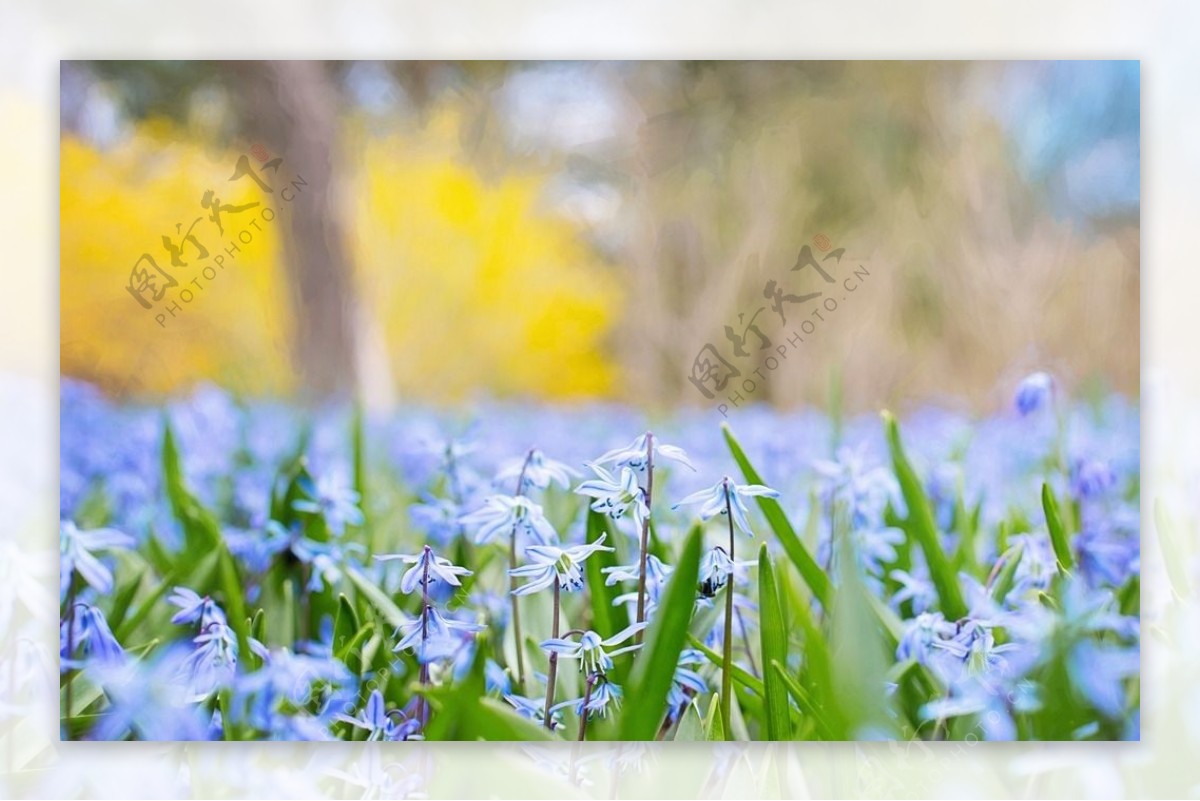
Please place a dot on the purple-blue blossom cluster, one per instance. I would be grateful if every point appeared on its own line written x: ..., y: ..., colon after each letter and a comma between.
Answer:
x: 422, y: 575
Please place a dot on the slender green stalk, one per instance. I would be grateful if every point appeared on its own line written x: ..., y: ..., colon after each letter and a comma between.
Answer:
x: 587, y: 699
x: 727, y: 645
x: 71, y: 589
x: 422, y: 709
x: 552, y: 673
x: 512, y: 584
x: 645, y: 542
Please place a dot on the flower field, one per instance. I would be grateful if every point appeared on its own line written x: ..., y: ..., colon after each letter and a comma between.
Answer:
x: 250, y: 570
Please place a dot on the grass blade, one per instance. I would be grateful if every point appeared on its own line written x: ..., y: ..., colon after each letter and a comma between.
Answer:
x: 921, y: 526
x: 774, y: 648
x: 1058, y: 533
x: 654, y: 668
x: 810, y: 571
x: 378, y: 598
x: 607, y: 619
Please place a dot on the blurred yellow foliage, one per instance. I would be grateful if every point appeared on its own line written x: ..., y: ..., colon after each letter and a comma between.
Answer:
x: 465, y: 284
x: 119, y: 203
x: 476, y: 286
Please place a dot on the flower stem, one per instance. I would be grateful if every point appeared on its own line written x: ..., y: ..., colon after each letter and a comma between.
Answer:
x: 71, y: 589
x: 645, y: 543
x: 552, y: 673
x: 422, y: 710
x: 727, y: 645
x: 512, y: 584
x: 587, y: 699
x: 746, y: 643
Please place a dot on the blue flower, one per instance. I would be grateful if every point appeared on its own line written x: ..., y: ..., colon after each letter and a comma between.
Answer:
x: 917, y: 589
x: 88, y: 633
x: 193, y: 608
x: 1038, y: 565
x: 77, y: 551
x: 434, y: 637
x: 335, y: 501
x: 272, y: 696
x: 604, y: 694
x: 1091, y: 478
x: 864, y: 487
x: 921, y: 634
x: 375, y: 720
x: 425, y: 564
x: 502, y: 514
x: 593, y: 651
x: 1100, y: 671
x: 1033, y: 393
x: 990, y: 704
x: 437, y: 517
x: 633, y: 455
x: 212, y: 664
x: 715, y: 569
x: 725, y: 493
x: 656, y: 572
x: 549, y: 563
x: 974, y: 647
x: 146, y: 700
x: 497, y: 678
x: 614, y: 496
x: 537, y: 470
x: 1109, y: 550
x: 686, y: 683
x: 533, y: 709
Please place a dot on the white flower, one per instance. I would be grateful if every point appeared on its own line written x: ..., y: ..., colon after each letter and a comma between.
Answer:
x: 614, y: 496
x: 726, y: 495
x: 549, y: 563
x: 537, y: 470
x: 591, y: 650
x: 500, y: 514
x: 76, y: 555
x: 439, y: 569
x: 633, y: 455
x: 434, y: 637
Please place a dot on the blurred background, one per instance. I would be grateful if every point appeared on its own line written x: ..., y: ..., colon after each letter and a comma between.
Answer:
x: 570, y: 231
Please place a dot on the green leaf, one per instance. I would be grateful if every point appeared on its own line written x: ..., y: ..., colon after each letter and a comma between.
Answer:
x: 740, y: 674
x: 859, y: 656
x: 359, y: 447
x: 1002, y: 584
x: 921, y: 526
x: 351, y: 654
x: 691, y: 725
x: 803, y: 699
x: 204, y: 570
x: 124, y: 599
x: 258, y: 627
x: 201, y: 531
x: 235, y: 599
x: 378, y: 598
x: 345, y: 624
x: 1058, y: 534
x: 495, y: 720
x: 655, y: 665
x: 810, y: 571
x: 607, y: 619
x: 463, y: 712
x: 774, y: 648
x: 712, y: 722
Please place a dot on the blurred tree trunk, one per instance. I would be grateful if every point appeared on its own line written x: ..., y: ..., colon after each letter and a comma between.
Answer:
x: 292, y: 107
